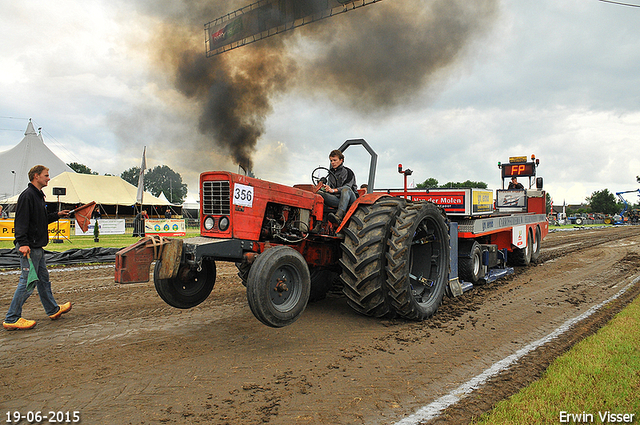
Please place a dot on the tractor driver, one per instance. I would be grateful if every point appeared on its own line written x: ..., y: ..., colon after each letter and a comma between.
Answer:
x: 341, y: 191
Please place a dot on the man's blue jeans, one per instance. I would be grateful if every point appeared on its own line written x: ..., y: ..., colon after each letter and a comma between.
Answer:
x: 342, y: 200
x: 43, y: 285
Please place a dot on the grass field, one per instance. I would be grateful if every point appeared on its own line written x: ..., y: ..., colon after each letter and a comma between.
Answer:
x: 597, y: 378
x: 82, y: 242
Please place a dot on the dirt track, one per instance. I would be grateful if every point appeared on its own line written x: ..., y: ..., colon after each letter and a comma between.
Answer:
x: 123, y: 356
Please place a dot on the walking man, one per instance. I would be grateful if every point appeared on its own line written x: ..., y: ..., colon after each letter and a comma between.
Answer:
x: 32, y: 235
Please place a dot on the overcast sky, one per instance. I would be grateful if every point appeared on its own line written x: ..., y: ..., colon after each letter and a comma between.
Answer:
x: 449, y: 91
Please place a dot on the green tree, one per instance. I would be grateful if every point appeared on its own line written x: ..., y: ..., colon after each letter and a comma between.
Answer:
x: 163, y: 179
x: 464, y: 184
x: 81, y: 168
x: 430, y: 182
x: 160, y: 179
x: 548, y: 203
x: 131, y: 176
x: 603, y: 201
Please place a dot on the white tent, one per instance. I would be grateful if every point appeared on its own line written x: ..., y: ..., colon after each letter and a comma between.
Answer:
x: 164, y: 198
x: 191, y: 202
x: 191, y: 206
x: 17, y: 161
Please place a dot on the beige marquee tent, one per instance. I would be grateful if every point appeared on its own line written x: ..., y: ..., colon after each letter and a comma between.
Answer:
x: 115, y: 196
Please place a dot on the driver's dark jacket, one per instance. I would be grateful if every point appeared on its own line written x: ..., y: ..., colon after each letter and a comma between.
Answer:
x: 32, y: 220
x: 345, y: 177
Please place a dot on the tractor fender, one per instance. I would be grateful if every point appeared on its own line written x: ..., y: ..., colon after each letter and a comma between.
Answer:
x: 367, y: 199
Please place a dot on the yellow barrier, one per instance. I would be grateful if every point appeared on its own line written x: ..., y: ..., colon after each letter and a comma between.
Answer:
x: 8, y: 231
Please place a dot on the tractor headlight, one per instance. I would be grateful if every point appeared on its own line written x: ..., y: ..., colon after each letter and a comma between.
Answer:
x: 223, y: 224
x: 209, y: 222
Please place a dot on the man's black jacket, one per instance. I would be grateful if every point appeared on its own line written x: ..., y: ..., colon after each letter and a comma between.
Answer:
x: 32, y: 220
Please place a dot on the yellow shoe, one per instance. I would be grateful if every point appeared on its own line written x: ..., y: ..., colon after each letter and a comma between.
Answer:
x: 21, y: 323
x: 63, y: 309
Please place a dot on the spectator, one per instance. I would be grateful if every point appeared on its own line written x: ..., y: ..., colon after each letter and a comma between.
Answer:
x: 32, y: 235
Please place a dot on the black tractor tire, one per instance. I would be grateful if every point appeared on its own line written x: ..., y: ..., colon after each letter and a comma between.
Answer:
x: 321, y: 283
x: 189, y: 288
x: 535, y: 247
x: 243, y: 272
x: 521, y: 256
x: 363, y: 259
x: 278, y: 286
x: 579, y: 221
x: 470, y: 267
x: 418, y: 261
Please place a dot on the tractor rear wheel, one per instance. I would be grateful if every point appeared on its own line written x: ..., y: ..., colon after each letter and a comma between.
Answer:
x: 418, y: 261
x: 278, y: 286
x: 189, y: 288
x: 363, y: 258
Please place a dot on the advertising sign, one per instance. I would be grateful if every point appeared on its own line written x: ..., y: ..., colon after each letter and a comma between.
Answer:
x: 482, y: 201
x: 106, y: 227
x: 511, y: 199
x: 7, y: 231
x: 165, y: 227
x: 451, y: 201
x: 60, y: 229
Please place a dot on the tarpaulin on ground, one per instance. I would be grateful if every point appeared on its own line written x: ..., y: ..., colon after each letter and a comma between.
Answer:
x: 10, y: 258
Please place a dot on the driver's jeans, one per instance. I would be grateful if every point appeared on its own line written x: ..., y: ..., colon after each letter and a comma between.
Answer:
x: 341, y: 200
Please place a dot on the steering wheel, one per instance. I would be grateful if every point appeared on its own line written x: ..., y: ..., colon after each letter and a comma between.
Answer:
x: 322, y: 175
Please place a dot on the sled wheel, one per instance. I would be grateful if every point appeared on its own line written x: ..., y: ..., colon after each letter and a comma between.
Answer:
x: 535, y: 246
x: 521, y: 256
x: 470, y: 267
x: 189, y: 288
x: 418, y: 261
x: 278, y: 286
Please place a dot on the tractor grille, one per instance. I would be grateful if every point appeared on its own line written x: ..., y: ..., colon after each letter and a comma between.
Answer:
x: 216, y: 198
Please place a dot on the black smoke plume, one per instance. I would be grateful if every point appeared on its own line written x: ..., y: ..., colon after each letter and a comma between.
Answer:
x: 370, y: 59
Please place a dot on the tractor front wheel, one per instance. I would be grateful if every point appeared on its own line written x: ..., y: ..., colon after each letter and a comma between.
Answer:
x: 189, y: 288
x: 278, y: 286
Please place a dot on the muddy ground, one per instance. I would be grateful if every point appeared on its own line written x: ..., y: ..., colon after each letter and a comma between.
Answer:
x: 124, y: 356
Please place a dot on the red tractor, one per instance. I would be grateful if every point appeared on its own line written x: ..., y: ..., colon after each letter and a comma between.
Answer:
x: 392, y: 255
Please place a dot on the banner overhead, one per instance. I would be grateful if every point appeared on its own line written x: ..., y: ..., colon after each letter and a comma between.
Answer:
x: 266, y: 18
